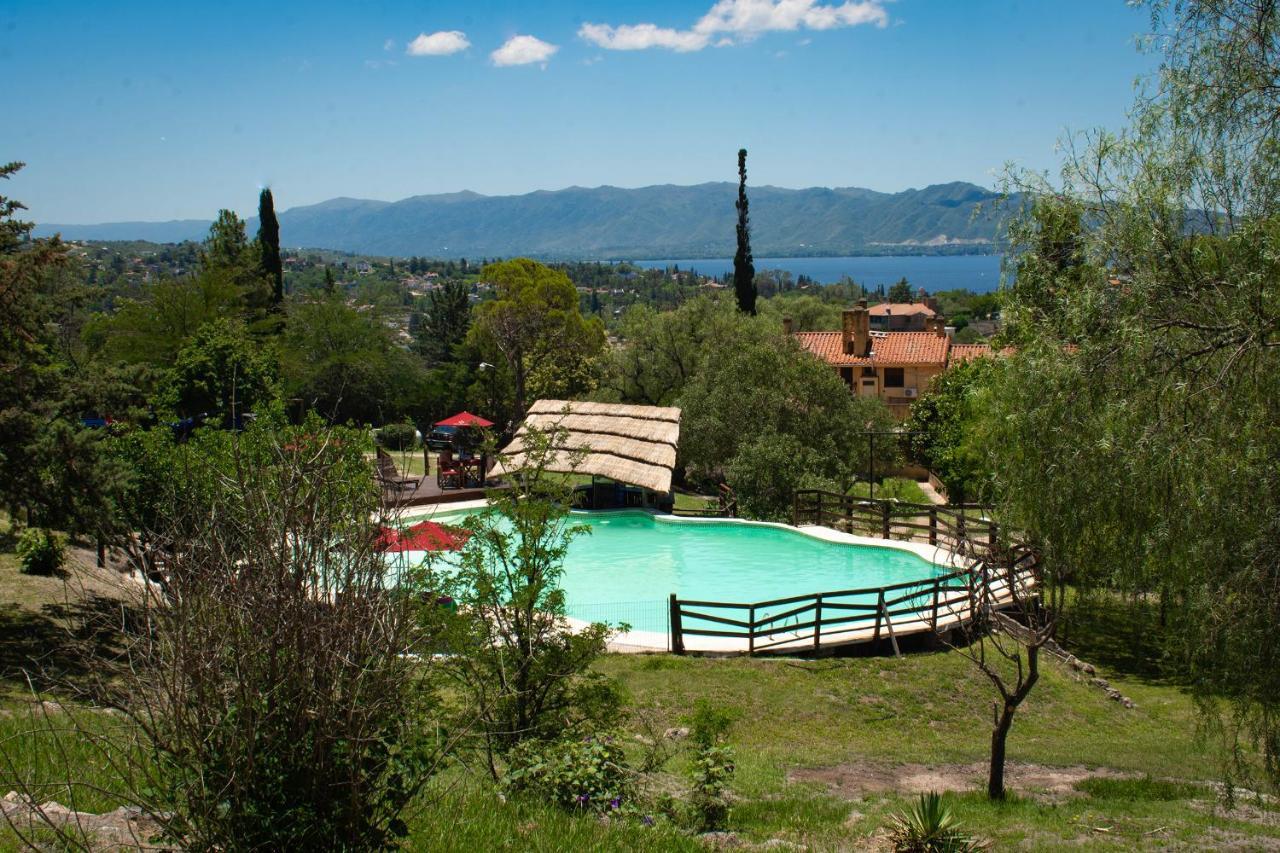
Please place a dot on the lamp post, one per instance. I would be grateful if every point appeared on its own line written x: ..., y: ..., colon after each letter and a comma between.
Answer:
x: 871, y: 457
x: 486, y: 367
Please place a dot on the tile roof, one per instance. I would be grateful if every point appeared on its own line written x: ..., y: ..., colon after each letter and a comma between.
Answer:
x: 900, y: 309
x: 968, y: 352
x: 891, y: 349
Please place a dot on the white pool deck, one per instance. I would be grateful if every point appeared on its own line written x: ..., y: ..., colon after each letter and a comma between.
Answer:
x: 953, y: 608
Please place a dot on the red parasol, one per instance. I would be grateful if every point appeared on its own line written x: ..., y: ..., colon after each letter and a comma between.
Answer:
x: 465, y: 419
x: 423, y: 536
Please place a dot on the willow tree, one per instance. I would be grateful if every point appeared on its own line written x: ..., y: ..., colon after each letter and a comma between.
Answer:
x: 1135, y: 432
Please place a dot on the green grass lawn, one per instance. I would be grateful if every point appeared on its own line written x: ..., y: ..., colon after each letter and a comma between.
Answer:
x: 892, y: 488
x: 826, y: 749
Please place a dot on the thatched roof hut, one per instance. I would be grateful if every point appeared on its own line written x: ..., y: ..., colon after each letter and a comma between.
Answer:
x: 629, y: 444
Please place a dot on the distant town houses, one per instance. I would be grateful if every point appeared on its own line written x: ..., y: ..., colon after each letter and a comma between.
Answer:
x: 896, y: 366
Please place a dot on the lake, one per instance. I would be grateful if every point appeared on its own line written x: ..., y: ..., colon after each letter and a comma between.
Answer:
x: 979, y: 273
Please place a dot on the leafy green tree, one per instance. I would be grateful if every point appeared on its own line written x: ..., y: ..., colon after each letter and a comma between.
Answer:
x: 228, y: 254
x: 942, y: 426
x: 744, y: 271
x: 226, y: 246
x: 445, y: 324
x: 152, y: 329
x: 535, y: 324
x: 269, y: 242
x: 220, y: 371
x: 768, y: 469
x: 526, y: 674
x: 773, y: 387
x: 900, y: 291
x: 661, y: 351
x: 345, y: 364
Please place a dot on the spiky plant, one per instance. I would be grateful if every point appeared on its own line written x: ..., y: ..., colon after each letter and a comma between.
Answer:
x: 930, y: 827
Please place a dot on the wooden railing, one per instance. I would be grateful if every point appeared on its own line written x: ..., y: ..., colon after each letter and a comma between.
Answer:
x: 937, y: 525
x: 993, y: 576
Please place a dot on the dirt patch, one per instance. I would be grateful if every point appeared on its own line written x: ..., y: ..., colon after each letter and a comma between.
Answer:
x: 854, y: 781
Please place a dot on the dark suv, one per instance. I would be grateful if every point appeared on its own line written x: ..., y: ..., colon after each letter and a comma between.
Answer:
x: 442, y: 437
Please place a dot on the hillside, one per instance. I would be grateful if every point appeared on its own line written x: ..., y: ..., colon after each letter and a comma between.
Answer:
x: 610, y: 222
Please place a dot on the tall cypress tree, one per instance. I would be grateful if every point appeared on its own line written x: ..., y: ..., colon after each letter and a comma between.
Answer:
x: 269, y: 238
x: 744, y: 271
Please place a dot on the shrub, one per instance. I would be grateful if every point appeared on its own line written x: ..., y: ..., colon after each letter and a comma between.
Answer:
x: 279, y: 693
x: 588, y: 773
x: 398, y: 436
x: 930, y: 827
x: 713, y: 766
x: 39, y: 552
x: 523, y: 672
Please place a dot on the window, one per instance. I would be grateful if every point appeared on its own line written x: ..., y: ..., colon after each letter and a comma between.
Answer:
x: 893, y: 377
x: 846, y: 373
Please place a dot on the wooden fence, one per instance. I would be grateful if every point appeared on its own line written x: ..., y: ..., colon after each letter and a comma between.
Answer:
x: 931, y: 523
x: 994, y: 574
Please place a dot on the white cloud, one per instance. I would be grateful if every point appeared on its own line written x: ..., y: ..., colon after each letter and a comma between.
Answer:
x: 740, y: 20
x: 642, y: 36
x: 442, y: 43
x: 389, y: 45
x: 523, y: 50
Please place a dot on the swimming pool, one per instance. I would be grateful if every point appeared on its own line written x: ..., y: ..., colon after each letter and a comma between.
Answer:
x: 624, y: 570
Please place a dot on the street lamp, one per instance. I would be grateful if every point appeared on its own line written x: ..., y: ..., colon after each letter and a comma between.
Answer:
x: 871, y: 460
x: 486, y: 367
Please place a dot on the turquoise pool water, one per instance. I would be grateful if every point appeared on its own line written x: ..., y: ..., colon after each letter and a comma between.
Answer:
x: 624, y: 570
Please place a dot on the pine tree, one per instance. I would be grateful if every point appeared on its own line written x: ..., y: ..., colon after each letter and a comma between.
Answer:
x: 269, y: 239
x: 744, y: 271
x: 329, y: 285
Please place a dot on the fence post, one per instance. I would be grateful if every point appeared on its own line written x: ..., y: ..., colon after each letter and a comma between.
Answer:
x: 795, y: 508
x: 751, y: 631
x: 818, y: 511
x: 817, y: 622
x: 933, y: 525
x: 677, y: 635
x: 937, y: 591
x: 884, y: 519
x: 875, y: 639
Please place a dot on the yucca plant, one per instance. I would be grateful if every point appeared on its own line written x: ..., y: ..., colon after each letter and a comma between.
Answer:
x: 930, y: 827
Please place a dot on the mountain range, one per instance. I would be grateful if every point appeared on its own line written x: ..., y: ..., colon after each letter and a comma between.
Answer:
x: 610, y: 223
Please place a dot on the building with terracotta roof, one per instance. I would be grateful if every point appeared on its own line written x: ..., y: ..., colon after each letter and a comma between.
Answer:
x: 895, y: 366
x: 903, y: 316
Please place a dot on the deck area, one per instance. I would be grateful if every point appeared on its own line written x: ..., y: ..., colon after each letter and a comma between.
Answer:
x: 428, y: 492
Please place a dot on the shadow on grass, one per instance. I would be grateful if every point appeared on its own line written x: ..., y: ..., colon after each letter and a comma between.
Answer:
x: 64, y: 649
x: 1122, y: 636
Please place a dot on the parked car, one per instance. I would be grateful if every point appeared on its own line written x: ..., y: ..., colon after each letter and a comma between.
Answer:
x: 443, y: 438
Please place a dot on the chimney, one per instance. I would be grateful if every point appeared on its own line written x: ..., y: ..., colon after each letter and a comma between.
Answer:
x: 855, y: 330
x: 788, y: 327
x: 931, y: 302
x: 936, y: 324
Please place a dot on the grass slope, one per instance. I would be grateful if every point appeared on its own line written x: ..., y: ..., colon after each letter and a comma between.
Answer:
x: 827, y: 750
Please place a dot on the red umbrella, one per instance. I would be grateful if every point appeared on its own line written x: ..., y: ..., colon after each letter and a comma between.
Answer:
x: 465, y: 419
x: 423, y: 536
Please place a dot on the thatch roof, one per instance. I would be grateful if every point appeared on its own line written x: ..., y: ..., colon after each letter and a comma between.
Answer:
x: 630, y: 444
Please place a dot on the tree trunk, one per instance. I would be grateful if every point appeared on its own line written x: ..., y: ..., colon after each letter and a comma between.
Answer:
x: 519, y: 413
x: 995, y: 778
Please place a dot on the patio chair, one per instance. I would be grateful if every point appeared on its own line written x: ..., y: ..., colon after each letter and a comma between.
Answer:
x: 448, y: 471
x: 390, y: 477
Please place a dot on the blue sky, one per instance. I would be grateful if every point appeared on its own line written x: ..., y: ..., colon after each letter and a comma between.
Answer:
x: 172, y: 110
